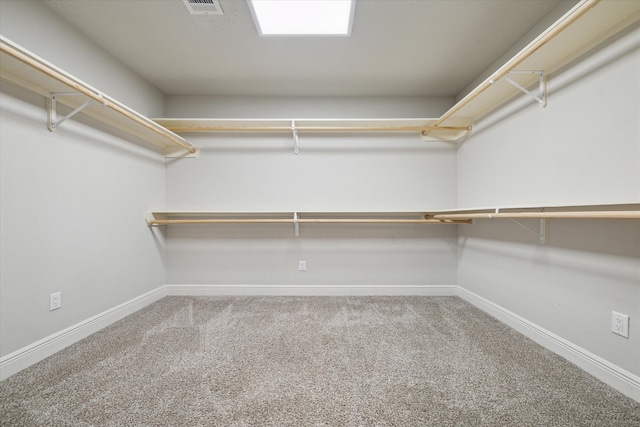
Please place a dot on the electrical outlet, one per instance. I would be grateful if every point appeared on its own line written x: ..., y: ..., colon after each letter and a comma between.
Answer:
x: 620, y: 324
x: 55, y: 301
x: 302, y: 265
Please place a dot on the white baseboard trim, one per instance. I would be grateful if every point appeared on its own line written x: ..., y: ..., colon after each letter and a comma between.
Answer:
x: 23, y: 358
x: 616, y: 377
x: 310, y: 290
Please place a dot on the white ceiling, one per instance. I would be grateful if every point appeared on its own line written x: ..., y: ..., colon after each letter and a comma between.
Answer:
x: 397, y: 47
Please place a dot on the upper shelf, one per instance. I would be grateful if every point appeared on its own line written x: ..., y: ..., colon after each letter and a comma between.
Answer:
x: 24, y: 68
x: 188, y: 125
x: 583, y: 27
x: 588, y: 23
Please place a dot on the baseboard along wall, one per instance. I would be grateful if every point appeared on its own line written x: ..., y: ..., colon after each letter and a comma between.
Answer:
x: 311, y: 290
x: 616, y: 377
x: 23, y: 358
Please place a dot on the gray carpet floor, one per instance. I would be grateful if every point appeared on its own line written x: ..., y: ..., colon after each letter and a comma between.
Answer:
x: 309, y: 361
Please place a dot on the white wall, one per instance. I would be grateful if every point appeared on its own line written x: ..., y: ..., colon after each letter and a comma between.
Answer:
x: 400, y: 256
x: 334, y: 173
x: 71, y: 202
x: 569, y: 286
x: 72, y: 205
x: 583, y: 148
x: 331, y: 173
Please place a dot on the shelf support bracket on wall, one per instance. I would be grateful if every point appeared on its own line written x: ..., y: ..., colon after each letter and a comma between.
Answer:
x: 295, y: 137
x: 296, y: 225
x: 543, y: 229
x: 53, y: 123
x: 541, y: 98
x: 542, y: 234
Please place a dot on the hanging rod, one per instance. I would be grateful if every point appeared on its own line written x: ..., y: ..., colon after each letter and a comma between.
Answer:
x: 540, y: 215
x: 156, y: 222
x: 183, y: 129
x: 40, y: 65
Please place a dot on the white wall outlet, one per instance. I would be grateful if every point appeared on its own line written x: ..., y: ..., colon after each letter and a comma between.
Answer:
x: 620, y: 324
x: 302, y: 265
x: 55, y: 301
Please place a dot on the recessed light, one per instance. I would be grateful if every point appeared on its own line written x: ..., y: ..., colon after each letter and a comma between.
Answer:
x: 303, y: 17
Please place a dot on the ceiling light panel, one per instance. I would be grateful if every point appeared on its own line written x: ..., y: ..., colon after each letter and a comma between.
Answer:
x: 303, y: 17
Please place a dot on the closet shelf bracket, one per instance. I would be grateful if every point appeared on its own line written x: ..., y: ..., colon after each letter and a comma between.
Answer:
x: 541, y: 98
x: 295, y: 138
x: 542, y: 234
x: 296, y: 225
x: 53, y: 122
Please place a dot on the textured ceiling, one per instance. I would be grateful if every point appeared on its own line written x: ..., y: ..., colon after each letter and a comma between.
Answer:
x: 397, y: 47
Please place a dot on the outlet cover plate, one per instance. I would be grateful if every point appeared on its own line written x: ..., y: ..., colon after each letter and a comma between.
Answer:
x: 620, y: 324
x: 55, y: 301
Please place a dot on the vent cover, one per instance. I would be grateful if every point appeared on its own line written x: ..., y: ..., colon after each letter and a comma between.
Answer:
x: 203, y: 7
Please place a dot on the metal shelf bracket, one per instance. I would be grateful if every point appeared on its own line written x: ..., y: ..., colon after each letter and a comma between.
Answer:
x: 295, y: 138
x: 541, y: 98
x: 296, y: 224
x: 52, y: 121
x: 542, y: 234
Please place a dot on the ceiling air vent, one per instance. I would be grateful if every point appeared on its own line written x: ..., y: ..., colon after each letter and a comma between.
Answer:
x: 203, y: 7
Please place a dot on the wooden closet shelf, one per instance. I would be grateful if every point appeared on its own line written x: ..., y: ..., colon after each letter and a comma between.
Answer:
x: 586, y: 25
x: 24, y: 68
x: 619, y: 211
x: 542, y: 215
x: 302, y: 125
x: 608, y: 211
x: 177, y: 218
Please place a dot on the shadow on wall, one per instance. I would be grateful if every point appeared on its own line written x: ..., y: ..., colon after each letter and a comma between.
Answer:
x: 309, y: 231
x: 406, y: 143
x: 611, y: 237
x: 336, y: 254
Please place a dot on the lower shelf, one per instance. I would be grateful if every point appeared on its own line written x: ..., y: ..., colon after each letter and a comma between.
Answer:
x: 452, y: 217
x: 170, y: 218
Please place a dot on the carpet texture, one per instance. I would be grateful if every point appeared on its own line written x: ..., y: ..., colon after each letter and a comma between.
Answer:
x: 309, y: 361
